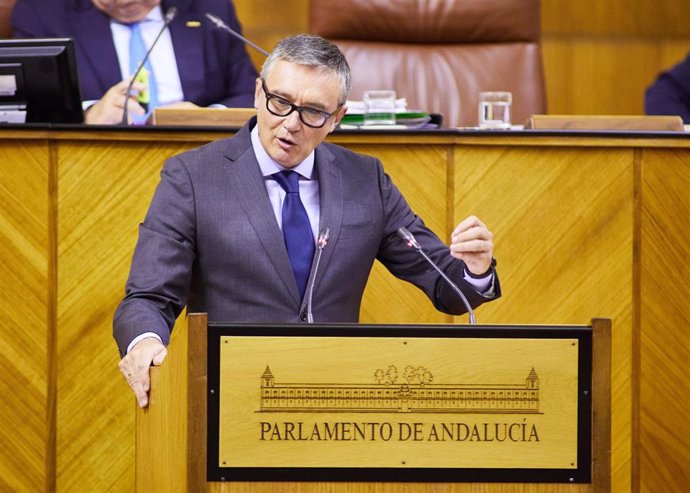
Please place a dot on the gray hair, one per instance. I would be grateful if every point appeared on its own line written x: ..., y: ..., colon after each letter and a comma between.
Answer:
x: 312, y: 51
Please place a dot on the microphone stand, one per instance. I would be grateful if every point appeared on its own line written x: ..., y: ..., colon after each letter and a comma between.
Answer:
x: 412, y: 243
x: 321, y: 244
x: 218, y: 22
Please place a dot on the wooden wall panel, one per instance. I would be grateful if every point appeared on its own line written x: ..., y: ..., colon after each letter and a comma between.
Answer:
x: 598, y: 77
x: 104, y: 191
x: 601, y: 55
x: 605, y: 77
x: 266, y: 22
x: 616, y: 17
x: 562, y: 220
x: 672, y: 52
x: 25, y: 349
x: 426, y: 194
x: 664, y: 320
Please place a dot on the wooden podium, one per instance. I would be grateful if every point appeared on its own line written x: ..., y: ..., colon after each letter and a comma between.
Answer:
x: 319, y: 432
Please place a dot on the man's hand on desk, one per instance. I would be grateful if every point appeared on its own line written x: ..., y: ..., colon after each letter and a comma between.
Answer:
x: 136, y: 363
x: 108, y: 110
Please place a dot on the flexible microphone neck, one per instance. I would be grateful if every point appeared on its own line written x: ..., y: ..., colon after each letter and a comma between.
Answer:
x: 169, y: 16
x: 409, y: 238
x: 321, y: 243
x: 218, y: 22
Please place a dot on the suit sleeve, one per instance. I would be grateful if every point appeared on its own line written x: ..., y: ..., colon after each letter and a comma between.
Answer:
x: 238, y: 68
x: 28, y: 21
x: 158, y: 283
x: 670, y: 93
x: 407, y: 264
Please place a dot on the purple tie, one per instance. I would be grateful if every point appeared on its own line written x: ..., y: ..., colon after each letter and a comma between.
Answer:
x: 299, y: 239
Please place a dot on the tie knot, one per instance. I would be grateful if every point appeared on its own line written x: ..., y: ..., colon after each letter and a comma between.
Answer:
x: 288, y: 180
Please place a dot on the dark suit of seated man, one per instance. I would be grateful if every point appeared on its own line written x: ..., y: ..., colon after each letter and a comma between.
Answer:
x: 670, y: 93
x: 212, y: 237
x: 198, y: 64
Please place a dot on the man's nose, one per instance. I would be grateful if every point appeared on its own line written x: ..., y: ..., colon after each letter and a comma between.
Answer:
x: 292, y: 122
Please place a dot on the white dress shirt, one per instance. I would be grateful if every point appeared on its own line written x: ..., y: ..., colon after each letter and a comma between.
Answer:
x: 162, y: 57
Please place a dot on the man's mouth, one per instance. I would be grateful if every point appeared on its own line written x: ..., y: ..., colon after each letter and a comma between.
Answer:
x: 285, y: 142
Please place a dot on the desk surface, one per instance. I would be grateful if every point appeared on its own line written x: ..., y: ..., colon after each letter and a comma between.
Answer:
x: 609, y: 138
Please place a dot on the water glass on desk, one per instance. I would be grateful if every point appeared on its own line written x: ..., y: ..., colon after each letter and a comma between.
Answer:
x: 379, y: 107
x: 494, y: 109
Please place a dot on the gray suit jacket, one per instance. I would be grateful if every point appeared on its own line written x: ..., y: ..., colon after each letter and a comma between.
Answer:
x: 210, y: 241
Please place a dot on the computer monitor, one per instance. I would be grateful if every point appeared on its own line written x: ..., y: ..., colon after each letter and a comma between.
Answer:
x: 39, y: 82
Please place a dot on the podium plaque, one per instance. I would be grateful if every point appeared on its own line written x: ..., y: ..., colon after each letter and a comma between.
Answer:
x: 399, y: 403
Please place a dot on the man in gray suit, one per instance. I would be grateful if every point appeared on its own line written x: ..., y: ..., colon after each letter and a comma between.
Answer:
x: 212, y: 237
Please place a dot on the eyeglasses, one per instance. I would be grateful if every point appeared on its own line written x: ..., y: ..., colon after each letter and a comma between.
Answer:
x: 311, y: 117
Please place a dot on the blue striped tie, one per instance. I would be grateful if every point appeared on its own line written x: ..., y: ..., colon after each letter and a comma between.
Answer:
x: 137, y: 52
x: 299, y: 239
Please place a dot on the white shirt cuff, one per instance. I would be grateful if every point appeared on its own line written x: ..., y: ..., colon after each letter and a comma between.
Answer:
x: 484, y: 285
x: 145, y: 335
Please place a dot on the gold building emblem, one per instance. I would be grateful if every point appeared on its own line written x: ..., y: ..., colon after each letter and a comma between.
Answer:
x: 413, y: 391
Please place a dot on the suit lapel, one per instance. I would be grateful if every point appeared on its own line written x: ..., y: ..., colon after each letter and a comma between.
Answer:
x: 98, y: 50
x: 331, y: 200
x: 187, y: 37
x: 244, y: 178
x: 248, y: 185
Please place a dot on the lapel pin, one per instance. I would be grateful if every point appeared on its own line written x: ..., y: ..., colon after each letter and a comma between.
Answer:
x: 193, y: 24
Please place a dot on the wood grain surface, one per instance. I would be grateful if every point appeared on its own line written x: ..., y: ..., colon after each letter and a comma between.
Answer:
x: 584, y: 227
x: 27, y: 395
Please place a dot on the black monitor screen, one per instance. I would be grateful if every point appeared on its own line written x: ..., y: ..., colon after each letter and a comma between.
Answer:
x: 39, y: 76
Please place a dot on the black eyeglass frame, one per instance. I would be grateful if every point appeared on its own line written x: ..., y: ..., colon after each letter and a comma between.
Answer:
x: 293, y: 107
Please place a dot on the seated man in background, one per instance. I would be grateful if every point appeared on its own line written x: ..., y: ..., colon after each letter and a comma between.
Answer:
x: 193, y: 62
x: 670, y: 93
x: 212, y: 238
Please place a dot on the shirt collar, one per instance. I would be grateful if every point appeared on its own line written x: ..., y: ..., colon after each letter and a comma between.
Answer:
x: 270, y: 167
x: 156, y: 14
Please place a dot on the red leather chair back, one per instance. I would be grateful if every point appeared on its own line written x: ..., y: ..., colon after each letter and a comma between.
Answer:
x: 440, y: 54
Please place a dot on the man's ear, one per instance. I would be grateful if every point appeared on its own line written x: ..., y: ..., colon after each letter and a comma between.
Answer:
x: 257, y: 92
x: 338, y: 116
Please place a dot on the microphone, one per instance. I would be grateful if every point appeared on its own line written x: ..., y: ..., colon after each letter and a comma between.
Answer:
x: 409, y: 238
x: 321, y: 243
x: 169, y: 16
x: 218, y: 22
